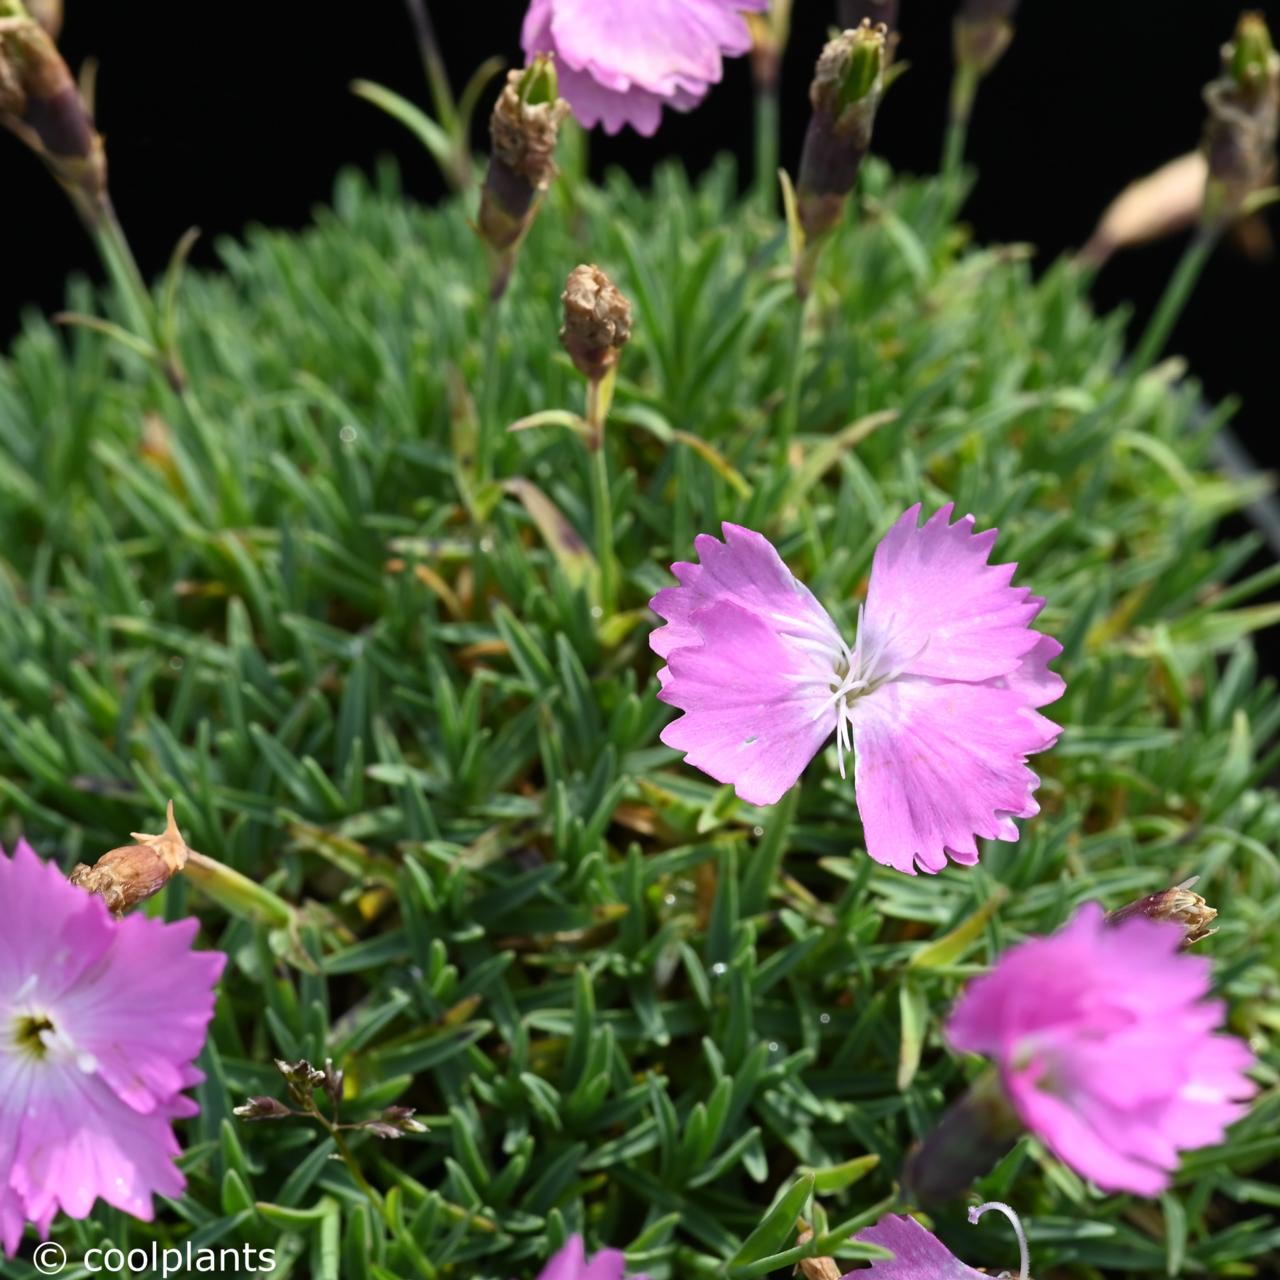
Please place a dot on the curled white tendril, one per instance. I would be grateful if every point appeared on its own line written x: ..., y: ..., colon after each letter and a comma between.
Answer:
x: 979, y: 1209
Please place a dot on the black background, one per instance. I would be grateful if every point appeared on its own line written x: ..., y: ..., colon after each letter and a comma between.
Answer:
x: 219, y: 116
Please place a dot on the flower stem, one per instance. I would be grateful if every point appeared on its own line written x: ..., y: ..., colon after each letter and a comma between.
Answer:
x: 486, y: 443
x: 766, y: 148
x: 601, y: 499
x: 789, y: 420
x: 964, y: 88
x: 1176, y: 295
x: 353, y: 1166
x: 122, y: 268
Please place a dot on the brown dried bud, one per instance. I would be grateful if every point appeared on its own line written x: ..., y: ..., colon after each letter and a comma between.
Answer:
x: 41, y: 104
x: 523, y: 130
x: 597, y: 321
x: 1161, y: 204
x: 262, y: 1109
x: 333, y: 1080
x: 816, y: 1268
x: 131, y: 874
x: 394, y: 1123
x: 848, y: 84
x: 1177, y: 905
x: 1244, y: 120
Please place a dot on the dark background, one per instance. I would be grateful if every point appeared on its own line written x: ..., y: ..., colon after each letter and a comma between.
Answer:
x: 221, y: 116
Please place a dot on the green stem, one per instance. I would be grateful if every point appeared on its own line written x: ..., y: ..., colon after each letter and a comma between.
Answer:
x: 1176, y: 295
x: 766, y: 149
x: 602, y: 503
x: 490, y: 402
x: 964, y: 89
x: 353, y: 1167
x: 122, y: 268
x: 789, y: 420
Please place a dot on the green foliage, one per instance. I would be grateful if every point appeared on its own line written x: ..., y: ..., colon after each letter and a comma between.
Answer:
x: 381, y: 689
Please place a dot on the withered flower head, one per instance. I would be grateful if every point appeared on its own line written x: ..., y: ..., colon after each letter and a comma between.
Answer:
x: 262, y: 1109
x: 1178, y: 905
x: 394, y: 1122
x: 848, y: 84
x: 132, y: 873
x: 523, y: 130
x: 525, y: 124
x: 41, y: 104
x: 1244, y: 119
x: 597, y: 321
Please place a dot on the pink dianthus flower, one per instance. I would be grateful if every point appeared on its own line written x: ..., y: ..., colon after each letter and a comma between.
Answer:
x: 935, y: 698
x: 100, y: 1022
x: 620, y: 63
x: 571, y: 1263
x: 1107, y: 1048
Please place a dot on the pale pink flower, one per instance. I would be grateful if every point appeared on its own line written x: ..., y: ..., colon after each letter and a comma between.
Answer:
x: 100, y: 1021
x: 936, y: 697
x: 1107, y: 1047
x: 621, y: 62
x: 571, y: 1263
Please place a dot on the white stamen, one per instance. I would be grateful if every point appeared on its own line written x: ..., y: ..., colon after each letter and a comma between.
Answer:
x: 978, y: 1210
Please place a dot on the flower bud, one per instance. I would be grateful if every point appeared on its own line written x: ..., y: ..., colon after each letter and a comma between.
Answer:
x: 41, y: 104
x: 1161, y: 204
x: 1251, y: 56
x: 522, y: 131
x: 303, y: 1080
x: 982, y: 31
x: 597, y: 322
x: 333, y: 1081
x: 1177, y: 905
x: 972, y: 1137
x: 1244, y: 118
x: 846, y: 91
x: 262, y: 1109
x: 394, y: 1122
x: 131, y: 874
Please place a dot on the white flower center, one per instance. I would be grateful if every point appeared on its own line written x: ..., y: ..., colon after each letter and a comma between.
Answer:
x: 854, y: 673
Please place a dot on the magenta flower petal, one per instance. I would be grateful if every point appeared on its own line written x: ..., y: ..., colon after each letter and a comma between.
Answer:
x: 100, y: 1021
x: 621, y: 63
x: 917, y: 1253
x: 935, y: 607
x: 608, y: 1264
x: 940, y: 763
x: 749, y: 659
x: 1108, y: 1049
x: 567, y: 1263
x: 571, y: 1263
